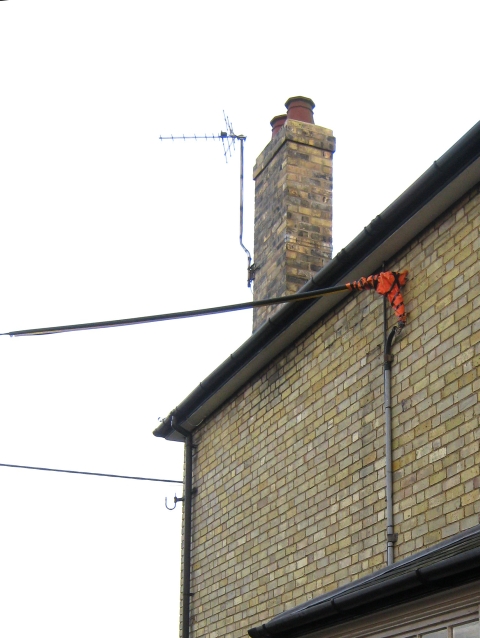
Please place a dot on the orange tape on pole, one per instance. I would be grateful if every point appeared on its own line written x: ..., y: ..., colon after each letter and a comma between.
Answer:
x: 387, y: 284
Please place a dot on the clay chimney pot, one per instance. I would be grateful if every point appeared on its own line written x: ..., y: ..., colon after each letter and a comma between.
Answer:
x: 276, y: 123
x: 300, y: 108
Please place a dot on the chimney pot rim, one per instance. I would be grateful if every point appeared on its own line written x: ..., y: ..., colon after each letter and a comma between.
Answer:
x: 277, y: 118
x: 299, y: 98
x: 277, y: 124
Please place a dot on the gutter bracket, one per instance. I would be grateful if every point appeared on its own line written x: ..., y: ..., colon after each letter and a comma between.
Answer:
x: 392, y: 538
x: 178, y: 428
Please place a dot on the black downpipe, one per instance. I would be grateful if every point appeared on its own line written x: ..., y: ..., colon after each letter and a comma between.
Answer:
x: 187, y: 537
x: 387, y: 372
x: 187, y: 530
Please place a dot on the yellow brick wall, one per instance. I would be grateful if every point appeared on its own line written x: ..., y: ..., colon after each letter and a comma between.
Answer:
x: 436, y: 375
x: 291, y: 473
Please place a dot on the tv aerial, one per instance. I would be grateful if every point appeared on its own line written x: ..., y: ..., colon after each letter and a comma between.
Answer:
x: 228, y: 138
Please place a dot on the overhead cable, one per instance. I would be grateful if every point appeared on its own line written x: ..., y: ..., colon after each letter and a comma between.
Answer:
x: 121, y: 476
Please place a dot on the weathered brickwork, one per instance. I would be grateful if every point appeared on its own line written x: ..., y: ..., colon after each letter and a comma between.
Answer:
x: 436, y: 413
x: 293, y: 211
x: 291, y: 472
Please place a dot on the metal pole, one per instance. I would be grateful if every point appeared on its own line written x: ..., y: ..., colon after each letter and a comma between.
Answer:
x: 299, y: 296
x: 241, y: 193
x: 249, y: 279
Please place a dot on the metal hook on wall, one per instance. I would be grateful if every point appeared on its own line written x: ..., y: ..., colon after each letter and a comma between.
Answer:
x: 175, y: 501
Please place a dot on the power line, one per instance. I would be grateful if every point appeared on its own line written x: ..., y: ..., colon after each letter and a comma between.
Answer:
x: 121, y: 476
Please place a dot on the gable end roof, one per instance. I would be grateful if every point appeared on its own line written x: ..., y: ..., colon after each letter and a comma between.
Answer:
x: 446, y: 181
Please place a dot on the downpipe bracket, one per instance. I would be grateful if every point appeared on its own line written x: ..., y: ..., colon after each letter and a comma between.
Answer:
x: 388, y: 358
x: 178, y: 499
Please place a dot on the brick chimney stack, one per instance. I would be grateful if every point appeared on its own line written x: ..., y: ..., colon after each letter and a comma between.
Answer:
x: 293, y: 204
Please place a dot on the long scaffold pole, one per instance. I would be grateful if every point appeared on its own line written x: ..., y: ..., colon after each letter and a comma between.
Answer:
x: 398, y: 280
x: 176, y: 315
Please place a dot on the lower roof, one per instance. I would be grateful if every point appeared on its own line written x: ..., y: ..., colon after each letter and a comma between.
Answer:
x: 453, y: 562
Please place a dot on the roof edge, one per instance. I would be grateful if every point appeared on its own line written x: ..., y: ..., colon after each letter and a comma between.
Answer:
x: 443, y: 172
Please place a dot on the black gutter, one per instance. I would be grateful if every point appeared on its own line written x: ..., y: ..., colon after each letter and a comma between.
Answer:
x: 449, y: 564
x: 450, y: 165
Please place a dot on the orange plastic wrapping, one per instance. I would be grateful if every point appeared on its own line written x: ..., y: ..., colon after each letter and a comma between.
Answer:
x: 387, y: 284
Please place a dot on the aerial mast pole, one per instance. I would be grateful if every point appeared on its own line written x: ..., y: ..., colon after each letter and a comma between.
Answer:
x: 228, y: 138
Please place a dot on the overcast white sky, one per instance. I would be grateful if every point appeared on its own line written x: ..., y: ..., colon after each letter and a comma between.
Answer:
x: 100, y: 220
